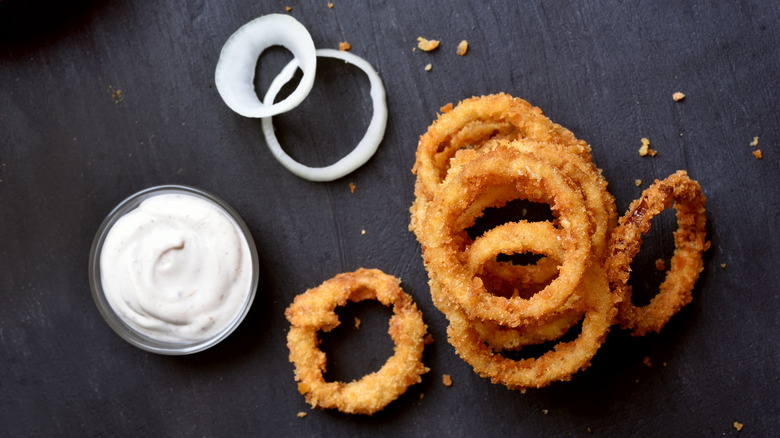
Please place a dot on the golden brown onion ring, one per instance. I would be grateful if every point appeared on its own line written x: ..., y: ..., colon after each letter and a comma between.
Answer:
x: 556, y: 365
x: 687, y: 261
x: 314, y: 310
x: 443, y: 242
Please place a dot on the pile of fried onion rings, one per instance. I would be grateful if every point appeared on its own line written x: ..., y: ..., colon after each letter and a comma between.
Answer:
x: 490, y: 150
x: 314, y: 311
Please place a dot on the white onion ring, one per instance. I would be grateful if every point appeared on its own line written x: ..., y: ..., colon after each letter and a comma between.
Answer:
x: 367, y: 146
x: 235, y: 73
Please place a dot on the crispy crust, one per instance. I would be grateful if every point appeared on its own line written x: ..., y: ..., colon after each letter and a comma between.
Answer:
x: 687, y: 262
x: 313, y: 311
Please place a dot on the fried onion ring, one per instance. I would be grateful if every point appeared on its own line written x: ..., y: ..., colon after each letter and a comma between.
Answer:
x: 503, y: 166
x: 314, y: 310
x: 556, y: 365
x: 687, y: 262
x: 491, y: 150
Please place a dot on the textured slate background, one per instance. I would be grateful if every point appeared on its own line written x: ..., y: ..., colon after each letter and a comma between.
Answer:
x: 71, y: 148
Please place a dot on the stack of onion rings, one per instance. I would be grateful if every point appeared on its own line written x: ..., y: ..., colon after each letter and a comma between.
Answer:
x: 313, y: 311
x: 490, y: 150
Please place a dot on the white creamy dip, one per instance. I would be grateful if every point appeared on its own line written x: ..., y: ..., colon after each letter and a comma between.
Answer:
x: 177, y: 268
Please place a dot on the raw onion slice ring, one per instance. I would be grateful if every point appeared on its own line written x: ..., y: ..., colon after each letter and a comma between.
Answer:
x: 235, y: 72
x: 364, y: 150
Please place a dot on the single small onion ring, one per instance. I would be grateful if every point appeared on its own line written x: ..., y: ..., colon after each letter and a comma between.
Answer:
x: 314, y: 310
x: 235, y: 72
x: 367, y: 146
x: 687, y: 261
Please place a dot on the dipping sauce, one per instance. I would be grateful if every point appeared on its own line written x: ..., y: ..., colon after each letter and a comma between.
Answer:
x: 178, y: 268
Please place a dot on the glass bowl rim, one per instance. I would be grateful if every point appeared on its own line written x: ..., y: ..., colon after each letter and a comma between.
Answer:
x: 126, y: 331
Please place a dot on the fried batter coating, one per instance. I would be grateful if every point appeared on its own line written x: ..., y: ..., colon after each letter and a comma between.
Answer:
x: 314, y: 310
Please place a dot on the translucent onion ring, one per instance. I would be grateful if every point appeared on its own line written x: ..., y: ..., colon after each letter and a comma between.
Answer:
x: 364, y: 150
x: 235, y: 72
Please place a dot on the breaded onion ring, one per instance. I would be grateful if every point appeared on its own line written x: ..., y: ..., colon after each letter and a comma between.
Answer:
x: 471, y: 124
x: 314, y: 310
x: 556, y: 365
x: 504, y: 166
x: 687, y: 261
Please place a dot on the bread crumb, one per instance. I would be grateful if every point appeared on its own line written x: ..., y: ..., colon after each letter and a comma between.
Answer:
x: 302, y: 414
x: 545, y: 411
x: 344, y: 46
x: 647, y: 362
x: 427, y: 45
x: 660, y: 265
x: 428, y: 339
x: 362, y: 231
x: 357, y: 323
x: 723, y: 266
x: 645, y: 149
x: 352, y: 187
x: 446, y: 108
x: 446, y: 380
x: 288, y: 8
x: 463, y: 47
x: 589, y: 430
x: 637, y: 182
x: 428, y: 67
x: 757, y: 153
x: 422, y: 395
x: 330, y: 5
x: 116, y: 94
x: 678, y: 96
x: 754, y: 142
x: 738, y: 426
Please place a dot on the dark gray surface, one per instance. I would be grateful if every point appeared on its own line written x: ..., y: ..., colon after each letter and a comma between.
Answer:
x: 70, y: 151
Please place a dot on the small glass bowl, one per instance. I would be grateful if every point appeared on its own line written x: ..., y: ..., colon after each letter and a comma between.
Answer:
x: 126, y: 331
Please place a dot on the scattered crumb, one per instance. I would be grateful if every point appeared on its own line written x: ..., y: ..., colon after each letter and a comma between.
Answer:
x: 678, y: 96
x: 352, y: 187
x: 446, y: 108
x: 589, y: 430
x: 754, y: 142
x: 116, y: 94
x: 357, y: 323
x: 330, y: 5
x: 422, y: 395
x: 636, y: 381
x: 428, y: 339
x: 757, y: 153
x: 645, y: 149
x: 288, y: 8
x: 344, y: 46
x: 428, y: 67
x: 427, y: 45
x: 660, y: 265
x: 663, y: 364
x: 637, y: 182
x: 524, y: 212
x: 738, y: 426
x: 446, y: 380
x: 647, y: 362
x: 463, y: 47
x: 723, y: 266
x: 545, y: 411
x: 302, y: 414
x: 362, y: 231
